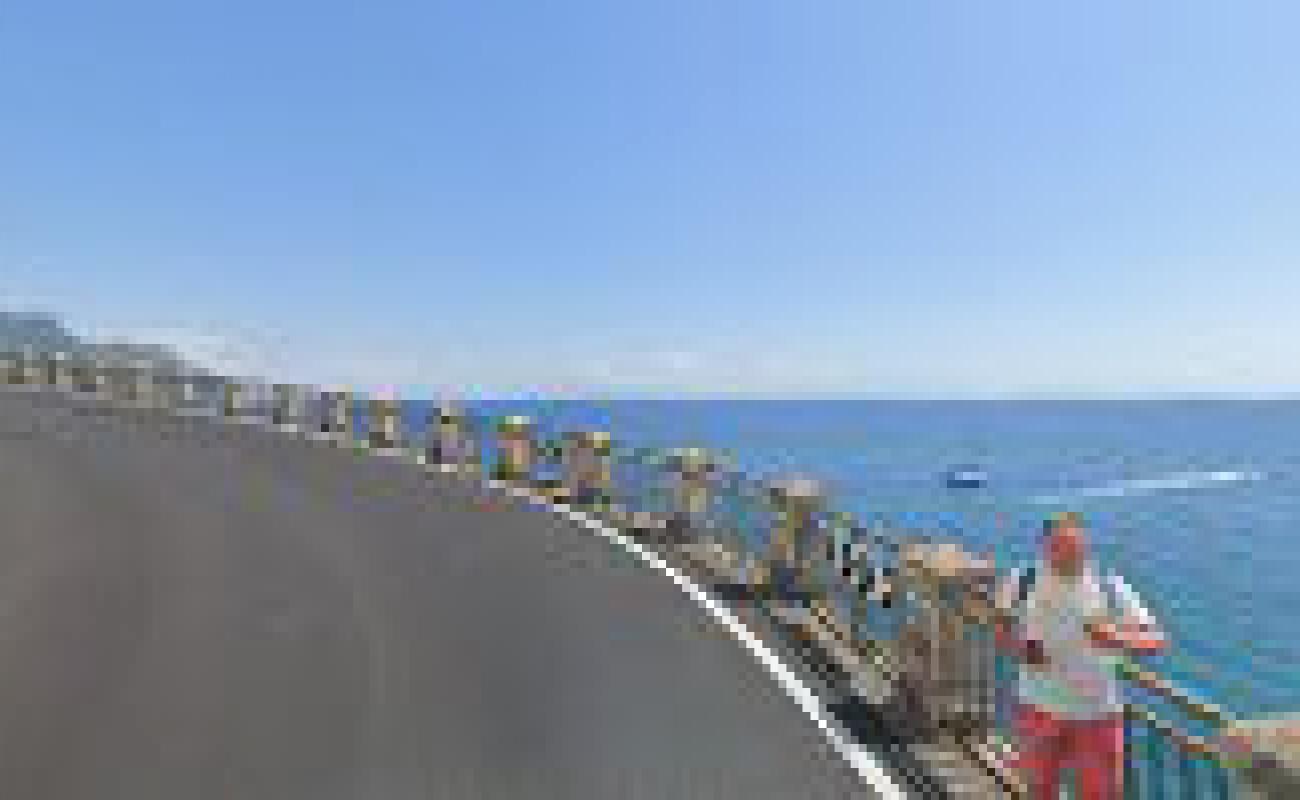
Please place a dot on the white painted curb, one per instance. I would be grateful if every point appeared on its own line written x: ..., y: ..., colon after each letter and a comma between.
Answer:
x: 859, y: 758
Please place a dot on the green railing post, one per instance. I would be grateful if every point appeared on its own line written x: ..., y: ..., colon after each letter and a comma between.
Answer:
x: 691, y: 472
x: 788, y: 563
x: 588, y: 468
x: 111, y: 378
x: 26, y: 372
x: 76, y: 374
x: 336, y: 413
x: 1152, y: 757
x: 150, y: 387
x: 189, y: 391
x: 287, y: 407
x: 173, y: 392
x: 86, y: 375
x: 162, y: 390
x: 449, y: 439
x: 848, y: 557
x: 1132, y: 785
x: 31, y: 367
x: 57, y: 372
x: 49, y: 369
x: 18, y: 368
x: 134, y: 384
x: 515, y: 439
x: 11, y: 369
x: 119, y: 382
x: 1187, y: 781
x: 234, y: 400
x: 385, y: 428
x: 1220, y: 783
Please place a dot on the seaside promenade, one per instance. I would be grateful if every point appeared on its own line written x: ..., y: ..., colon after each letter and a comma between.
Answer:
x: 189, y: 609
x: 215, y: 589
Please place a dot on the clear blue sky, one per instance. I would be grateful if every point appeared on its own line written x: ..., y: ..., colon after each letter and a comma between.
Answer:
x: 926, y: 198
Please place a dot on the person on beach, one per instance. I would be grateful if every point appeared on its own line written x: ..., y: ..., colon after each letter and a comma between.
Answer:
x: 1069, y: 625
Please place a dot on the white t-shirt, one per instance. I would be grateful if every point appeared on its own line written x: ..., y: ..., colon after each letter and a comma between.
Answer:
x: 1079, y: 681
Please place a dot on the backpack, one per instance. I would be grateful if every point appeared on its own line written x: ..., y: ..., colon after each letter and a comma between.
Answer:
x: 1025, y: 583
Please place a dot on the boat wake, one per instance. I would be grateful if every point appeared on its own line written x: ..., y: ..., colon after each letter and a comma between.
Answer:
x: 1176, y: 482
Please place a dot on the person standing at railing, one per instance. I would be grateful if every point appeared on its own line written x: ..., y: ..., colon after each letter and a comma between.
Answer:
x: 1068, y: 625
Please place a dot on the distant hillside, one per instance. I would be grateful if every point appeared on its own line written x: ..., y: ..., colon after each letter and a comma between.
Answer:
x: 41, y: 332
x: 45, y: 333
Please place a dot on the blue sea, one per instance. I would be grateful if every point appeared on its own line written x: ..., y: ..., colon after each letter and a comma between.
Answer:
x: 1196, y: 502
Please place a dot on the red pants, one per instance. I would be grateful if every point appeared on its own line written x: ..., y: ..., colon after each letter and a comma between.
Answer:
x: 1094, y: 747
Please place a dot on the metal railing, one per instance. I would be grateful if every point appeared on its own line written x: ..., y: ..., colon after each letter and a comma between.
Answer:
x: 777, y: 537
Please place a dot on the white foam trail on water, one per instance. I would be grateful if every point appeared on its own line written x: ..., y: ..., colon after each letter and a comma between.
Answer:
x: 1177, y: 481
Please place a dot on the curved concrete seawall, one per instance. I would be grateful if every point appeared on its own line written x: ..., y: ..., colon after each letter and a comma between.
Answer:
x: 190, y: 609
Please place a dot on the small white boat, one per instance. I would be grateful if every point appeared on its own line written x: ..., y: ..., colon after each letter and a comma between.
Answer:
x: 966, y: 478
